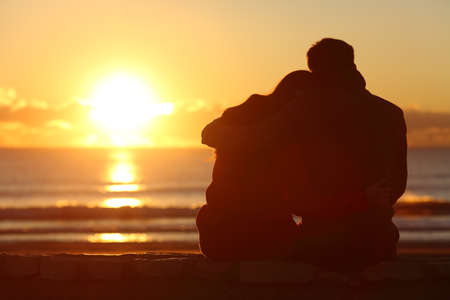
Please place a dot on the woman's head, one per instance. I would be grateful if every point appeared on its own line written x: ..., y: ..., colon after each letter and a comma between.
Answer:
x: 293, y: 84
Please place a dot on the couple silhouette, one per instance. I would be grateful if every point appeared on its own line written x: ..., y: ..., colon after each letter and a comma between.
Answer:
x: 320, y: 147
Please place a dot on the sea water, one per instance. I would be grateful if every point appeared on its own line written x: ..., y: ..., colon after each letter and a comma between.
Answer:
x: 163, y: 186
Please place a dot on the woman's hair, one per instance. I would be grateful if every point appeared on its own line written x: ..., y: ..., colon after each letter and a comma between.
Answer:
x: 292, y: 83
x: 258, y: 107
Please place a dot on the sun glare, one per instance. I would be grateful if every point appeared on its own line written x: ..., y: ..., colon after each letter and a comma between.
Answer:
x: 123, y: 105
x: 122, y: 172
x: 117, y: 238
x: 122, y: 175
x: 121, y: 202
x: 122, y: 188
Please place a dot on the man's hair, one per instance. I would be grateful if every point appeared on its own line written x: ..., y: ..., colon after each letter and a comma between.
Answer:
x: 330, y: 55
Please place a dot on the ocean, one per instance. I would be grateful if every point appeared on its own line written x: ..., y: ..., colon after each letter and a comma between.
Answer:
x: 147, y: 195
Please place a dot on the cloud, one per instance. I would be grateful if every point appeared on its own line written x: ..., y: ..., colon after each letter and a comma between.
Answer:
x: 36, y: 123
x: 38, y: 113
x: 7, y: 96
x: 60, y: 124
x: 31, y: 122
x: 10, y: 100
x: 427, y: 128
x: 25, y: 123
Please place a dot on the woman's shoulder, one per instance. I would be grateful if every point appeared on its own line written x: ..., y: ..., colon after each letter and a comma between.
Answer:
x: 249, y: 110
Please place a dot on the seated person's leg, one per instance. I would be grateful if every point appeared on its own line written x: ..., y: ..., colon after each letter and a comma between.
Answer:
x: 347, y: 248
x: 228, y: 237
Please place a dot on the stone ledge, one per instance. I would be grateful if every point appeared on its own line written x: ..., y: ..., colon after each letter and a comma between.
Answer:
x: 170, y: 266
x: 276, y: 272
x: 18, y: 266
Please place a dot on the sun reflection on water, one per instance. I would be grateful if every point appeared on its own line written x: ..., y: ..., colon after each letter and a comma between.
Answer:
x: 121, y: 202
x: 117, y: 237
x: 122, y: 172
x: 122, y: 188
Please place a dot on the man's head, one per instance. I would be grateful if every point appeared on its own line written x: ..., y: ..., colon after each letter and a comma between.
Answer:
x: 330, y: 56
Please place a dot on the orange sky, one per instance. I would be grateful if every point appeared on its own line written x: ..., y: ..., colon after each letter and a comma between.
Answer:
x: 206, y: 55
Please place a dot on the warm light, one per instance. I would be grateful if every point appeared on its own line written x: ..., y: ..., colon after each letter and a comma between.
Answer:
x: 411, y: 197
x: 117, y: 238
x: 123, y: 106
x: 121, y: 202
x: 122, y: 188
x: 122, y: 173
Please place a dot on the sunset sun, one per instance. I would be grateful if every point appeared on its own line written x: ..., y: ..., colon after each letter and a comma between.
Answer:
x: 123, y: 105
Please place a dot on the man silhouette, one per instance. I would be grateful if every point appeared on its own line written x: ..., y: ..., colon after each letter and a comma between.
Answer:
x: 370, y: 129
x: 359, y: 142
x: 354, y: 153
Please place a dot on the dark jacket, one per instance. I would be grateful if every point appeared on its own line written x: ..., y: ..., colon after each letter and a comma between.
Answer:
x: 329, y: 151
x: 245, y: 217
x: 359, y: 140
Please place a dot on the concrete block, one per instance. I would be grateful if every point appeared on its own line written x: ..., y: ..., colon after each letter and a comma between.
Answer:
x: 107, y: 268
x: 64, y: 267
x: 440, y: 269
x: 394, y: 271
x: 160, y: 268
x: 215, y: 270
x: 17, y: 266
x: 332, y: 278
x: 276, y: 272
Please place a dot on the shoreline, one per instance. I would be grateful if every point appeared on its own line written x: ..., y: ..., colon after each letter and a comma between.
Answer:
x: 42, y: 248
x: 402, y: 208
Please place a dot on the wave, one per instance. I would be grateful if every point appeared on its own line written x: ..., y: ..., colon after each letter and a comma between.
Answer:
x: 429, y: 207
x: 84, y: 212
x: 98, y: 230
x: 409, y: 204
x: 417, y: 198
x: 93, y: 213
x: 99, y: 190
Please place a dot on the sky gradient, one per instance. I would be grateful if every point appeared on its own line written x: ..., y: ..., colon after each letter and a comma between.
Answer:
x: 206, y: 55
